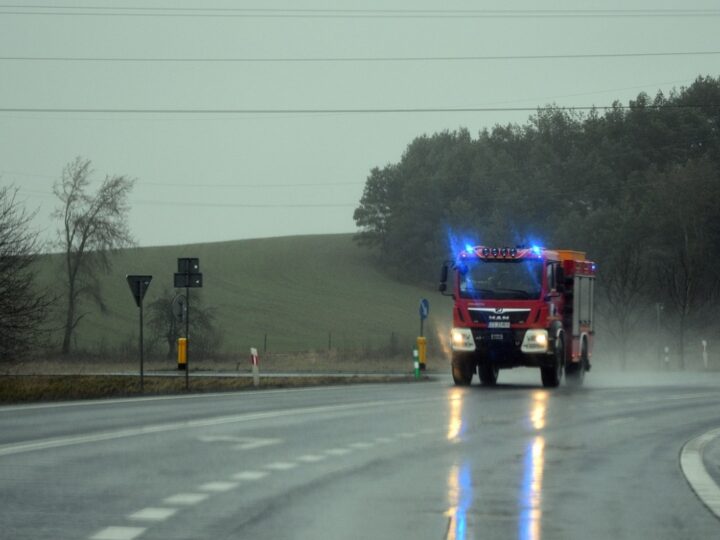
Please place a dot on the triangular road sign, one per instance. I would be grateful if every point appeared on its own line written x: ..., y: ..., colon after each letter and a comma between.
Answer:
x: 139, y: 286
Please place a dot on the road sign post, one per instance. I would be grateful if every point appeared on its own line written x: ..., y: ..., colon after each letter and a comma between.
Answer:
x: 424, y: 311
x: 138, y: 287
x: 188, y: 276
x: 254, y: 360
x: 421, y: 341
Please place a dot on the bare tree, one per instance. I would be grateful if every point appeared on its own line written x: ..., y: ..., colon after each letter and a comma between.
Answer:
x: 22, y: 305
x: 164, y: 327
x: 689, y: 198
x: 92, y: 225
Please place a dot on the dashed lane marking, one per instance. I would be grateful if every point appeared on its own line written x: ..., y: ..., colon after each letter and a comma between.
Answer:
x: 337, y: 451
x: 311, y: 458
x: 281, y: 466
x: 186, y: 499
x: 691, y: 463
x: 240, y: 443
x: 218, y: 487
x: 408, y: 435
x: 384, y: 440
x: 250, y: 475
x: 58, y: 442
x: 118, y: 533
x: 361, y: 445
x: 153, y: 514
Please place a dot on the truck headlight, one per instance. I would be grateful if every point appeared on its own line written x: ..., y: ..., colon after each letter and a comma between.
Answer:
x: 535, y: 341
x: 462, y: 339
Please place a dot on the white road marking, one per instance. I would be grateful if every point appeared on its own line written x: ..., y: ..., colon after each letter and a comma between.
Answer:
x: 57, y: 442
x: 242, y: 443
x: 623, y: 420
x: 384, y: 440
x: 256, y: 443
x: 153, y: 514
x: 218, y: 486
x: 361, y: 445
x: 222, y: 395
x: 186, y: 499
x: 691, y: 463
x: 250, y: 475
x: 408, y: 435
x: 311, y: 458
x: 118, y: 533
x: 337, y: 451
x: 281, y: 466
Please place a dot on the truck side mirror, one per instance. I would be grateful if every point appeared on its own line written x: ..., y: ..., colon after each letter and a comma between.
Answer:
x: 443, y: 278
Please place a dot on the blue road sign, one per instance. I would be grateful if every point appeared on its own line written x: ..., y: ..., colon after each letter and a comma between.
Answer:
x: 424, y: 308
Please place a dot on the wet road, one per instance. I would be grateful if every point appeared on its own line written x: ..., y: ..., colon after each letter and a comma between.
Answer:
x: 380, y: 461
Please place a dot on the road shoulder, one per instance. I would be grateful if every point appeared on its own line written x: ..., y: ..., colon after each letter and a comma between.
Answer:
x: 698, y: 458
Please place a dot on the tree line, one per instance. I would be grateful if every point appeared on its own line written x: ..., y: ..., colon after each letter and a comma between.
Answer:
x: 636, y: 186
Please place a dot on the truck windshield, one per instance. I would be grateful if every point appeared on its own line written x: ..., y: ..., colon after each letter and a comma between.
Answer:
x: 502, y: 280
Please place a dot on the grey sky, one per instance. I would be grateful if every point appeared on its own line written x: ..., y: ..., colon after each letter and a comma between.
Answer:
x: 209, y: 177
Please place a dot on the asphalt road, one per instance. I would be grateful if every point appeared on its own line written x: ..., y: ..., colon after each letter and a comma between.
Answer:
x: 418, y: 461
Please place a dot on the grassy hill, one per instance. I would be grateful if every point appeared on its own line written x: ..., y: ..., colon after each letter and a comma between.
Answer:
x: 297, y: 290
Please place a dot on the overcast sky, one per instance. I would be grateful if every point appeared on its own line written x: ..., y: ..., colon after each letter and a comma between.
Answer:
x: 229, y: 175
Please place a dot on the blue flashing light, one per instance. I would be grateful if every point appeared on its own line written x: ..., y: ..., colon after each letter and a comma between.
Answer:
x: 469, y: 248
x: 537, y: 250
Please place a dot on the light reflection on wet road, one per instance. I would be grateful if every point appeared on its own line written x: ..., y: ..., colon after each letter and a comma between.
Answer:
x: 421, y: 461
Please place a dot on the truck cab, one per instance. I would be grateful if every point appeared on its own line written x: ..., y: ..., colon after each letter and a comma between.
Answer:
x: 520, y: 306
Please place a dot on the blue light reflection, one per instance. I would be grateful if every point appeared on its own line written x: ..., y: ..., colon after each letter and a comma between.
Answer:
x: 530, y: 518
x: 531, y: 495
x: 460, y: 494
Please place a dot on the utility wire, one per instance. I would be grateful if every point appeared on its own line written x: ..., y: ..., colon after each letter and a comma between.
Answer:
x: 147, y: 11
x: 229, y: 111
x: 351, y: 59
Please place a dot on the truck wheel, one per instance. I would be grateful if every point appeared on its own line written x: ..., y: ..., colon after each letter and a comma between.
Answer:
x: 488, y: 374
x: 551, y: 375
x: 462, y: 369
x: 575, y: 372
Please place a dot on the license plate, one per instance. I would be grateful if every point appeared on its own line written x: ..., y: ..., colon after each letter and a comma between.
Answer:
x: 499, y: 324
x: 496, y: 336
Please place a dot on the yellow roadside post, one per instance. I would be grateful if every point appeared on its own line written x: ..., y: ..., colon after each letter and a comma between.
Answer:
x: 422, y: 351
x: 182, y: 353
x: 421, y: 341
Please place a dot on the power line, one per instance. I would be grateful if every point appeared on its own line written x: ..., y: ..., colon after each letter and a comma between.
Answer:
x: 351, y: 59
x: 416, y: 110
x: 146, y: 11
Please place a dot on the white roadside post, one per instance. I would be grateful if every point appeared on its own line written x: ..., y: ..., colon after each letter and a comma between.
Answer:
x: 705, y: 354
x: 667, y: 357
x: 255, y: 366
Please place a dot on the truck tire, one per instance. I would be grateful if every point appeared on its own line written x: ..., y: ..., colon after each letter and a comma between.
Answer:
x: 488, y: 374
x: 552, y: 375
x: 463, y: 368
x: 575, y: 372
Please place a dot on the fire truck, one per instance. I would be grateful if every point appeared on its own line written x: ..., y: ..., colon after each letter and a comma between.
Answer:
x: 520, y: 306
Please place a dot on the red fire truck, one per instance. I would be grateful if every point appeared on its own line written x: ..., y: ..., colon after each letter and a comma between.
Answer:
x: 521, y: 306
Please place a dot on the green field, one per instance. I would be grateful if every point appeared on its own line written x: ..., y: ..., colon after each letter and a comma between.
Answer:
x: 302, y: 292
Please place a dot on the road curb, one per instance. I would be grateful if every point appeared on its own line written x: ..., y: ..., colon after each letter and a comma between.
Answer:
x: 691, y: 463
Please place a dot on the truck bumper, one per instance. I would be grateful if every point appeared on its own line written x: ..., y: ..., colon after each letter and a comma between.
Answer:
x: 503, y: 348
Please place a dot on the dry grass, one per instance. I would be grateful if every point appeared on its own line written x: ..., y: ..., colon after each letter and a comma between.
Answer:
x: 308, y: 362
x: 39, y: 388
